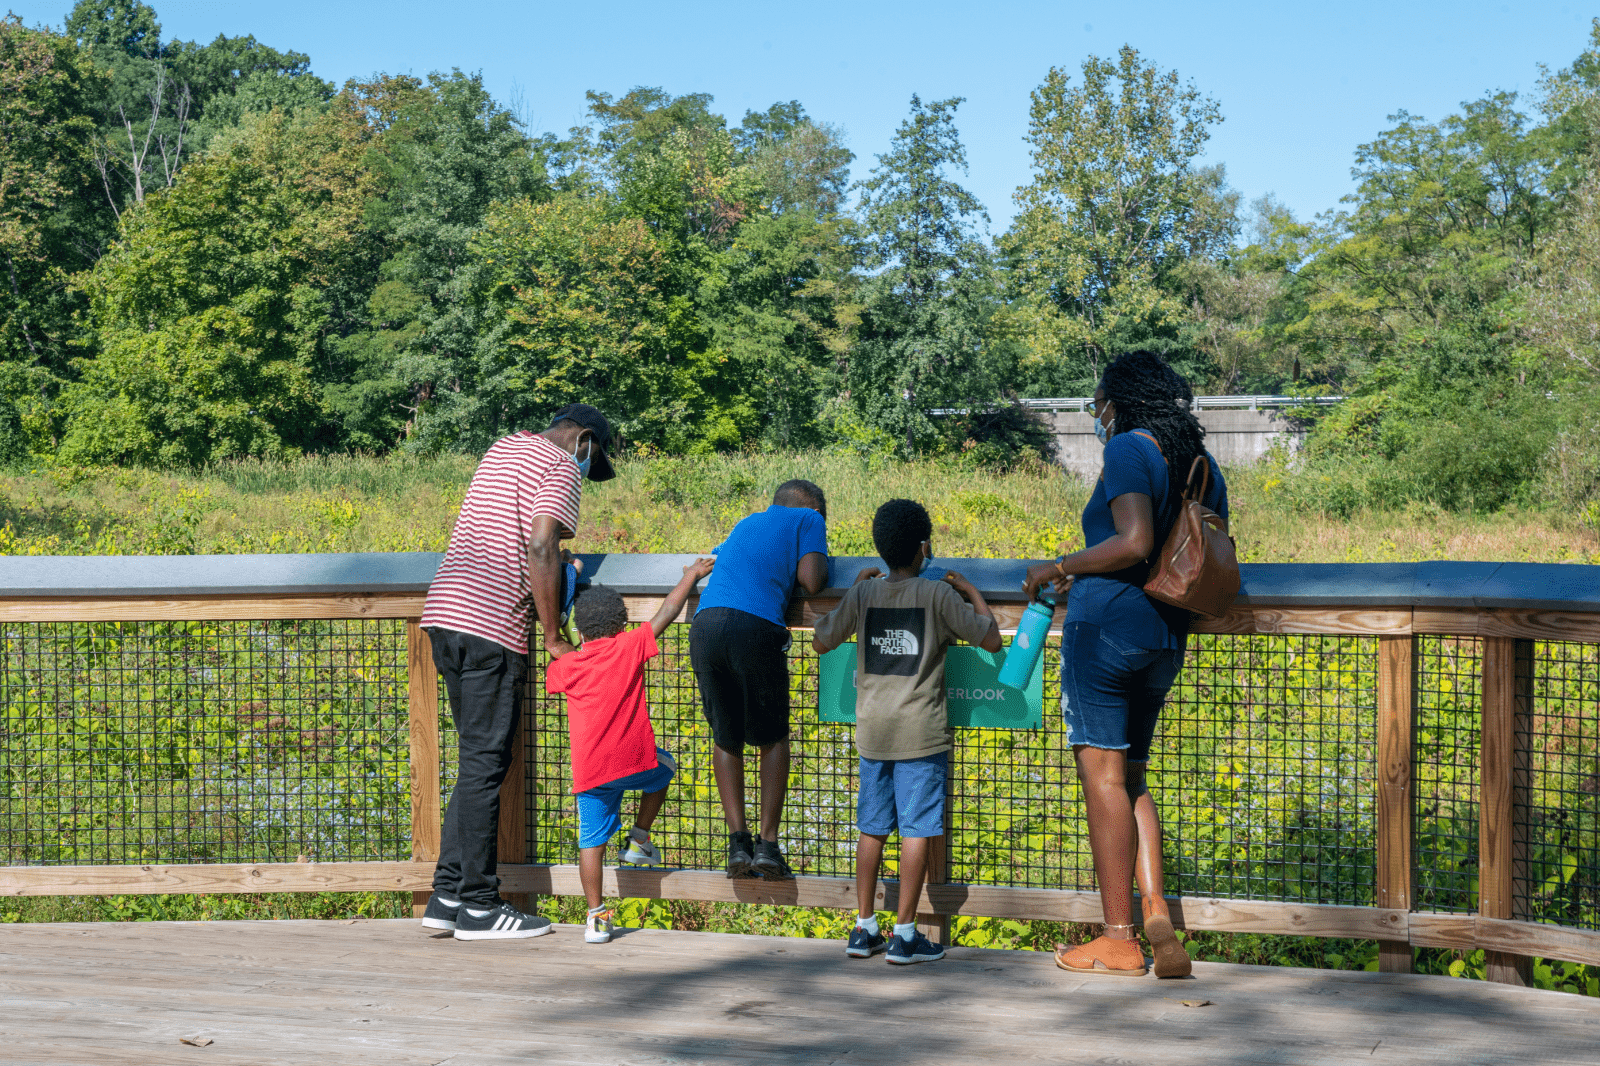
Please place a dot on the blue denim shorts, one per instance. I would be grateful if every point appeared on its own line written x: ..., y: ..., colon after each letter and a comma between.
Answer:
x: 600, y: 808
x: 903, y: 794
x: 1111, y: 691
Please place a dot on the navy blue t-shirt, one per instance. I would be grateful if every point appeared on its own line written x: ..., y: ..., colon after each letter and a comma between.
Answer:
x: 756, y: 565
x: 1116, y: 602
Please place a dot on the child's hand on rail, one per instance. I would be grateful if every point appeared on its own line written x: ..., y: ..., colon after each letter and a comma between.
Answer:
x: 700, y: 568
x: 866, y: 574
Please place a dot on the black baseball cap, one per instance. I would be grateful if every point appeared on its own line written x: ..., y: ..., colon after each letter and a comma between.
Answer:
x: 590, y: 418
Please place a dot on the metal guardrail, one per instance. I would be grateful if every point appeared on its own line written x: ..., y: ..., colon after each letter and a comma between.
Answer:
x: 1401, y: 752
x: 1201, y: 403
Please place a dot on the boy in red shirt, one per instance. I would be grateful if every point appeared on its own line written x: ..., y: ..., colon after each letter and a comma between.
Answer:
x: 613, y: 747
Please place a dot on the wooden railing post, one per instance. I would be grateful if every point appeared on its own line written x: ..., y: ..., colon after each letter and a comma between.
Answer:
x: 936, y: 927
x: 511, y: 845
x: 422, y: 691
x: 1396, y: 804
x: 1507, y: 703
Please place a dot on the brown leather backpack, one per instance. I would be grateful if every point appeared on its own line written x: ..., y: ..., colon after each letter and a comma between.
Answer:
x: 1198, y: 567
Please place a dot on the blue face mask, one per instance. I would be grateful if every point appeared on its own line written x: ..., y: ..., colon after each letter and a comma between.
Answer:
x: 1102, y: 432
x: 583, y: 464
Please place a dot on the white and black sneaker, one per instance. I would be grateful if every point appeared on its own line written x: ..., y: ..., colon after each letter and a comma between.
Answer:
x: 502, y: 922
x: 441, y: 912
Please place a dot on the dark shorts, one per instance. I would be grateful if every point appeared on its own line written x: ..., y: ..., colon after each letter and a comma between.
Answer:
x: 1111, y: 691
x: 741, y: 664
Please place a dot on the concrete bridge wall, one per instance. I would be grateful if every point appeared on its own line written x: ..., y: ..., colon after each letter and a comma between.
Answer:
x: 1235, y: 436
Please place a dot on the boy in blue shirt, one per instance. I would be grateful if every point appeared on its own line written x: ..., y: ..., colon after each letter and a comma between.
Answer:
x: 738, y: 645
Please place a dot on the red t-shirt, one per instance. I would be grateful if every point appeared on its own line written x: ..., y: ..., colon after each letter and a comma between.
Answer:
x: 607, y: 718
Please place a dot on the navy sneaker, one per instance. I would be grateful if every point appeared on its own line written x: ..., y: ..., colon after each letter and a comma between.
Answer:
x: 441, y: 912
x: 502, y: 922
x: 864, y: 945
x: 903, y: 952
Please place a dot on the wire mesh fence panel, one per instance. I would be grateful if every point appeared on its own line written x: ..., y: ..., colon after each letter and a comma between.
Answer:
x: 1449, y: 713
x: 1556, y: 816
x: 1264, y: 768
x: 186, y: 742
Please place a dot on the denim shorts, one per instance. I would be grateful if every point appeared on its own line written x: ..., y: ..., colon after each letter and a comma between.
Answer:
x: 903, y: 794
x: 1111, y: 691
x: 600, y: 808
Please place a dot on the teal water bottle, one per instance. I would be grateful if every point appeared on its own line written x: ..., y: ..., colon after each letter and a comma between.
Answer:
x: 1028, y: 644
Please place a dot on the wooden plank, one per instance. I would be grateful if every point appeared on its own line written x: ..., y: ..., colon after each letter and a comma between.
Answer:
x: 1396, y: 726
x: 209, y: 608
x: 1245, y: 619
x: 1507, y: 671
x: 1522, y: 624
x: 218, y: 877
x: 422, y: 690
x: 1469, y: 932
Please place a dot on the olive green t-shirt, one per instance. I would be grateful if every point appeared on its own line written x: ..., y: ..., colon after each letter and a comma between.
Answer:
x: 901, y: 629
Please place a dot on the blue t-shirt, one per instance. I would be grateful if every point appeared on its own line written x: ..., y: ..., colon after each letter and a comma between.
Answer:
x: 756, y: 565
x: 1116, y: 601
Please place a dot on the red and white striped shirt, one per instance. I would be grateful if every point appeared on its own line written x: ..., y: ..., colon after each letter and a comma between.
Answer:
x: 482, y: 585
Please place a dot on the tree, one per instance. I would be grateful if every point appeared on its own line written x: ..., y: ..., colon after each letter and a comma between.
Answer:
x: 47, y: 89
x: 921, y: 333
x: 1116, y: 203
x: 212, y: 309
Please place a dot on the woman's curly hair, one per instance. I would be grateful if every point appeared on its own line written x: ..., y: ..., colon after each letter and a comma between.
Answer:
x: 1152, y: 396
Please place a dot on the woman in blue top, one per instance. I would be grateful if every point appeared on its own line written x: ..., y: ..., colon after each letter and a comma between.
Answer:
x: 1121, y: 650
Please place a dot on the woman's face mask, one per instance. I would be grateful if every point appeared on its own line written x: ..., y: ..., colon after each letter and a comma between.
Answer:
x: 1102, y: 431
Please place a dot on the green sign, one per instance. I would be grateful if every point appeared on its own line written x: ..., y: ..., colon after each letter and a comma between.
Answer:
x: 973, y: 691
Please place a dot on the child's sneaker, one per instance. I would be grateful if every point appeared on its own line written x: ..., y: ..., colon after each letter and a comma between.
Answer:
x: 770, y: 863
x: 501, y: 922
x: 640, y: 851
x: 599, y: 928
x: 864, y: 944
x: 903, y: 952
x: 441, y: 912
x: 741, y: 853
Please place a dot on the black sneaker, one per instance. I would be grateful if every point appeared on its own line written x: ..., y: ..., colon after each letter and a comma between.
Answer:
x: 903, y: 952
x: 769, y: 862
x: 502, y: 922
x: 740, y: 854
x: 441, y: 912
x: 864, y: 945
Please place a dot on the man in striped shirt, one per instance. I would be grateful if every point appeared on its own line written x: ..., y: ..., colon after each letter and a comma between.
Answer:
x: 504, y: 559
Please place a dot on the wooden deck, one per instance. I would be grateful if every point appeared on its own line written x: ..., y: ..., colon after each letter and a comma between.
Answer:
x: 388, y: 992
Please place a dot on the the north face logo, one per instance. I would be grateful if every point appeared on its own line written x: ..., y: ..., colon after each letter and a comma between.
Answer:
x: 893, y: 640
x: 897, y: 642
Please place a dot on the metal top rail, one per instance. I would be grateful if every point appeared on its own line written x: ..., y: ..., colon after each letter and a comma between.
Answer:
x: 1201, y: 403
x: 1533, y: 586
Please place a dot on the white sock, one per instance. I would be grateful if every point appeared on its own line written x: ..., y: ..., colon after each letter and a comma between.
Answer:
x: 446, y: 900
x: 906, y: 931
x: 869, y: 923
x: 476, y: 913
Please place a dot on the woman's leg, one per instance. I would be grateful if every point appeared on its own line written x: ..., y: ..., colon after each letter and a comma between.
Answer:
x: 1112, y: 833
x: 1147, y: 842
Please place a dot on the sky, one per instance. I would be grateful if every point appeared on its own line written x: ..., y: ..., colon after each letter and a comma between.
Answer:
x: 1300, y: 85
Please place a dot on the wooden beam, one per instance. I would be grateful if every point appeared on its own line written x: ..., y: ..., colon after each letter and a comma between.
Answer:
x: 511, y: 843
x: 1517, y: 623
x: 215, y: 877
x: 933, y: 923
x: 209, y: 608
x: 1245, y: 619
x: 1468, y: 932
x: 1396, y: 726
x: 1507, y: 690
x: 422, y: 689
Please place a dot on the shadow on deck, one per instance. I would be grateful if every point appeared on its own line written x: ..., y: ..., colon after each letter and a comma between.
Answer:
x: 388, y: 992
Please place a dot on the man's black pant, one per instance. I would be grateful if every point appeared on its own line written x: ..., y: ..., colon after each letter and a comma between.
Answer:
x: 484, y: 681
